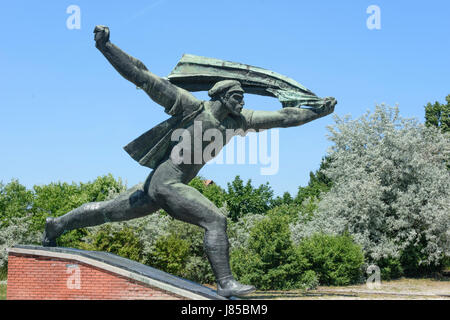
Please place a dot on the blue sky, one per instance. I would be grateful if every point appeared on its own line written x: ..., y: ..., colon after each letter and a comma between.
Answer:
x: 65, y: 113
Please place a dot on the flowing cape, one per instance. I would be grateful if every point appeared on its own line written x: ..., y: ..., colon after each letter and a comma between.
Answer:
x: 196, y: 73
x: 151, y: 148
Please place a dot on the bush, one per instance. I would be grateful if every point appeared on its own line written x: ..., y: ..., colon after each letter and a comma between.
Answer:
x: 391, y: 268
x: 122, y: 242
x: 170, y: 254
x: 196, y: 266
x: 336, y: 260
x: 291, y: 211
x: 3, y: 272
x: 239, y: 231
x: 156, y: 240
x: 16, y: 232
x: 270, y: 260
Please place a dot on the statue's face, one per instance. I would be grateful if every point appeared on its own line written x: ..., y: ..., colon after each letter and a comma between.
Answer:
x: 234, y: 102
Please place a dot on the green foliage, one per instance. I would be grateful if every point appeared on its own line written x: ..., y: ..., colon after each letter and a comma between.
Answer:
x: 270, y: 261
x: 411, y: 259
x: 196, y: 266
x: 123, y: 242
x: 56, y: 199
x: 308, y: 197
x: 3, y: 272
x: 438, y: 115
x: 290, y: 211
x: 213, y: 192
x: 318, y: 183
x: 244, y: 199
x: 2, y: 291
x: 286, y: 199
x: 15, y: 202
x: 170, y: 254
x: 391, y: 268
x: 23, y: 212
x: 337, y: 260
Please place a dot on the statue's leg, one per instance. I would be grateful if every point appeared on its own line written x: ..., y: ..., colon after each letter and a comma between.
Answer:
x: 134, y: 203
x: 187, y: 204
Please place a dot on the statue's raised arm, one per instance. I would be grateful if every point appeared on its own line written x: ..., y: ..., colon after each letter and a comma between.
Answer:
x: 160, y: 90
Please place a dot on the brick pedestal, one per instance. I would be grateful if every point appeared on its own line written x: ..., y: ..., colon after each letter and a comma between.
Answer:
x: 42, y: 278
x: 39, y: 273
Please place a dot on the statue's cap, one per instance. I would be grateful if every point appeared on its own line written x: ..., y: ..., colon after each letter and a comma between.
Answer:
x: 225, y: 86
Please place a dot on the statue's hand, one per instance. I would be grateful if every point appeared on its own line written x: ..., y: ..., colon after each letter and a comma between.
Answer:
x: 328, y: 105
x: 101, y: 36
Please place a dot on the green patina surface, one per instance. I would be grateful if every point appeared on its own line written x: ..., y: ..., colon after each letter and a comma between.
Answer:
x: 196, y: 73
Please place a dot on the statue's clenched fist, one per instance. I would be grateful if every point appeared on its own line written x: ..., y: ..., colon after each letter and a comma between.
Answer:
x: 101, y: 35
x: 328, y: 105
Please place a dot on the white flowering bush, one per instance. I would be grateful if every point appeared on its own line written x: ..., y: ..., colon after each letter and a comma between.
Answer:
x: 391, y: 189
x: 17, y: 231
x: 239, y: 232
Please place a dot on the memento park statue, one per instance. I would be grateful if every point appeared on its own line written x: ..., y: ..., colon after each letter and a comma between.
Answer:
x: 166, y: 186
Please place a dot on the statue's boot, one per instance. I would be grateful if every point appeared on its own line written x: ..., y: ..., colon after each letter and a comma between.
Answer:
x: 228, y: 287
x: 217, y: 249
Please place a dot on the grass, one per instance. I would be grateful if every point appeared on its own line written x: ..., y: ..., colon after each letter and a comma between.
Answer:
x: 2, y: 291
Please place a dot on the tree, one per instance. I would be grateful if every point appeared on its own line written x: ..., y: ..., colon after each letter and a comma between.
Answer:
x: 285, y: 199
x: 213, y: 192
x: 15, y: 202
x: 391, y: 189
x: 244, y: 199
x: 438, y: 115
x: 318, y: 183
x: 308, y: 197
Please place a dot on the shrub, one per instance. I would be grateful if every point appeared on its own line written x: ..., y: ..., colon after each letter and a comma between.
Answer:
x: 170, y: 254
x: 239, y: 231
x: 391, y: 268
x: 121, y: 241
x: 16, y: 232
x: 336, y: 260
x: 196, y: 266
x: 270, y: 260
x: 291, y: 211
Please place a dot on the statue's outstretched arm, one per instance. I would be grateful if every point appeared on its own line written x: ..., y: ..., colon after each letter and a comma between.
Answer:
x: 159, y: 89
x: 289, y: 117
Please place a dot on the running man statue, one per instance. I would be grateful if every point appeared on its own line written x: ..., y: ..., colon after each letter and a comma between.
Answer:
x: 166, y: 186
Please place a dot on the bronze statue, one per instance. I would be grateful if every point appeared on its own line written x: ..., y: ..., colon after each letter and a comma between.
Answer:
x: 166, y: 186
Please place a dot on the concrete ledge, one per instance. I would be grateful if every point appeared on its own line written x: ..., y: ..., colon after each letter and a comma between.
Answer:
x: 132, y: 270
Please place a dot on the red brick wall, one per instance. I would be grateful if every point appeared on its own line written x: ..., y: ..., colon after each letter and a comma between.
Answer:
x: 42, y: 278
